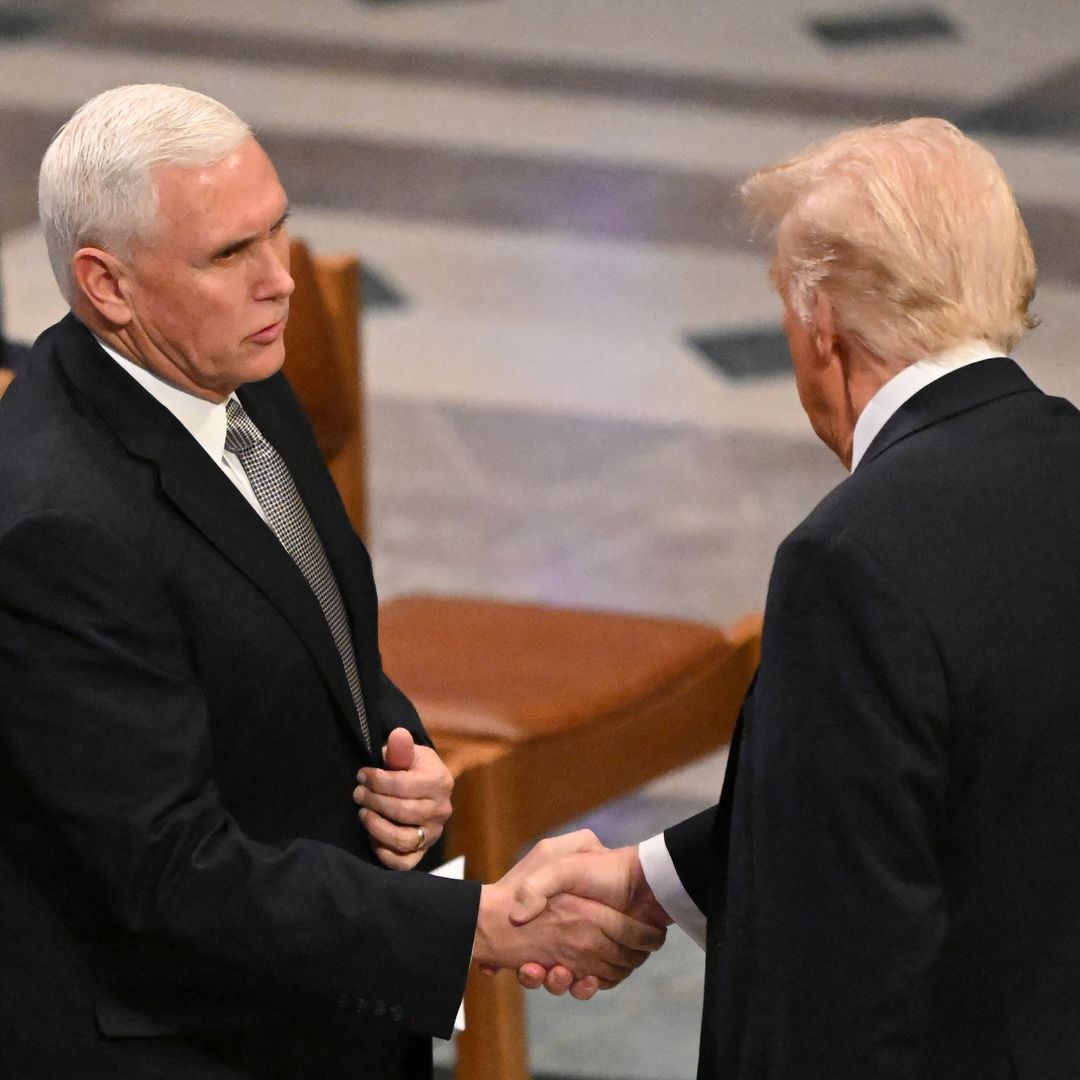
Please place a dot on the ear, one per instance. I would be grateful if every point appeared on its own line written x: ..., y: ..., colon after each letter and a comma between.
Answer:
x: 101, y: 277
x: 828, y: 343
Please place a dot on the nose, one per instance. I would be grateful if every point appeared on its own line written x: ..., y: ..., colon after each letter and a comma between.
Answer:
x: 274, y: 281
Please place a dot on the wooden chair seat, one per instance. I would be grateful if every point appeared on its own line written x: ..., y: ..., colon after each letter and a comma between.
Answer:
x: 485, y: 668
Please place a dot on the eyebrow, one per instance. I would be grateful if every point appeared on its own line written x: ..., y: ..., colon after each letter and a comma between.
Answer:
x: 234, y: 246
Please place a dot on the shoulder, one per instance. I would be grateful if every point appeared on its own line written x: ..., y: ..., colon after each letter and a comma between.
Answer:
x: 956, y: 498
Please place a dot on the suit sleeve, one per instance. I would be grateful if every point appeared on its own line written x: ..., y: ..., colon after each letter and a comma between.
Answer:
x: 106, y: 729
x: 690, y: 846
x: 847, y: 739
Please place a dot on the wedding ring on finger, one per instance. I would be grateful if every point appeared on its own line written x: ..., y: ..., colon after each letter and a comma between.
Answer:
x: 421, y: 839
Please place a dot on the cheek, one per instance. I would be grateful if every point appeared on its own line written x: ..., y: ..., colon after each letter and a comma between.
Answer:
x: 808, y: 391
x: 815, y: 402
x: 220, y: 316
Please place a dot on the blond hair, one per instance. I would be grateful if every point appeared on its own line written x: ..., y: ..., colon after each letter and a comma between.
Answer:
x: 96, y: 186
x: 910, y: 230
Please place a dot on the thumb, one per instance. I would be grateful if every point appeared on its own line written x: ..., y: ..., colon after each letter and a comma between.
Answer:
x: 533, y: 892
x: 399, y: 750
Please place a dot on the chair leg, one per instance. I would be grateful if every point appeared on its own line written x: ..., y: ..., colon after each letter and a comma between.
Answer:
x: 493, y: 1045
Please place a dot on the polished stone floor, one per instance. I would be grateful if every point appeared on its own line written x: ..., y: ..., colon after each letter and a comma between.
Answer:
x: 572, y: 370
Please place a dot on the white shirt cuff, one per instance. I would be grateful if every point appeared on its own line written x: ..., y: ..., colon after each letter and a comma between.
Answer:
x: 664, y: 881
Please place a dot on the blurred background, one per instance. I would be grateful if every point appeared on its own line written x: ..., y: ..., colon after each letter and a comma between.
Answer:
x: 576, y: 387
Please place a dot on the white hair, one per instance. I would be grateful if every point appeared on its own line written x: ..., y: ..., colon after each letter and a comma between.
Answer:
x: 96, y: 186
x: 910, y: 230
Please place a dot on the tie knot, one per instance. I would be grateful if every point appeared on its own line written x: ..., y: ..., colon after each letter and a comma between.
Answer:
x: 240, y: 431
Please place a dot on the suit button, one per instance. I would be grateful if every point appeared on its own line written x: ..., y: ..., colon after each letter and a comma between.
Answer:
x: 359, y: 1005
x: 380, y: 1007
x: 397, y: 1013
x: 343, y: 1001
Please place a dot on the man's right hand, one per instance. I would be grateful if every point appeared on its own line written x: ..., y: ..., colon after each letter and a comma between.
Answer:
x: 595, y: 945
x: 614, y: 878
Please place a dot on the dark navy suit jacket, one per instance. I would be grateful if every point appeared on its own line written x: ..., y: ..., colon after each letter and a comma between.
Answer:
x: 185, y: 889
x: 892, y: 876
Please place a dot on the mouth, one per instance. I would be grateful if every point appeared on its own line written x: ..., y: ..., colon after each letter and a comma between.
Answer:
x: 269, y: 334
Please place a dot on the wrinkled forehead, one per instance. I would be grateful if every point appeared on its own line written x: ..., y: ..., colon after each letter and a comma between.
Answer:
x: 238, y: 194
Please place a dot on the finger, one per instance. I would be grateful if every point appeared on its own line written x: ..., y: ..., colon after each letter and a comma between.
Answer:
x: 387, y: 782
x: 585, y: 988
x: 392, y: 860
x: 566, y: 874
x: 403, y: 811
x: 570, y: 934
x: 599, y: 934
x: 414, y: 783
x: 400, y: 749
x: 531, y: 976
x: 558, y: 980
x: 555, y: 847
x: 636, y: 937
x: 488, y: 969
x: 608, y: 974
x: 403, y: 839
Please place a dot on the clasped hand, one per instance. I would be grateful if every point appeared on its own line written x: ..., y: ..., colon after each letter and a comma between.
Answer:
x: 572, y: 915
x: 411, y: 794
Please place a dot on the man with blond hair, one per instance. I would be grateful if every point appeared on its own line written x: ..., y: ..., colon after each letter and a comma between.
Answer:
x: 889, y: 887
x: 190, y: 674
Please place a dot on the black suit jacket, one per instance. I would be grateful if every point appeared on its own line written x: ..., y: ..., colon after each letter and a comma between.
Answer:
x: 184, y: 886
x: 891, y: 876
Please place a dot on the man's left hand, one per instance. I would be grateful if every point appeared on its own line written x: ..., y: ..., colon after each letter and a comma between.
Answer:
x: 404, y: 807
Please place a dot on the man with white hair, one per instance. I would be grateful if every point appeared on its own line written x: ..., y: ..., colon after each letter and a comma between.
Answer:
x: 889, y: 888
x: 189, y: 668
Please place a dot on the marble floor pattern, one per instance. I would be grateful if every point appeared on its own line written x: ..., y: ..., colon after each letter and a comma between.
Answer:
x: 572, y: 377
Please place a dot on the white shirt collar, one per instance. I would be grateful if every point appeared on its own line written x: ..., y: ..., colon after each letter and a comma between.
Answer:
x: 205, y: 420
x: 906, y: 385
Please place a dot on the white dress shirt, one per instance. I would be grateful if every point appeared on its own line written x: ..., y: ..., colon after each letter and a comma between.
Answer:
x: 205, y: 420
x: 656, y: 862
x: 906, y: 384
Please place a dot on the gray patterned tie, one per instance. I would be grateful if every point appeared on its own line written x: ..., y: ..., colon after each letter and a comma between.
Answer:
x: 274, y: 488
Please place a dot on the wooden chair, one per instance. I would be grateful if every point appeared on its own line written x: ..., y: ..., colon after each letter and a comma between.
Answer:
x: 322, y: 344
x: 5, y: 379
x: 542, y: 713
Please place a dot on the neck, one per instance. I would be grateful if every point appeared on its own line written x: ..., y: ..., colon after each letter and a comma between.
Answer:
x: 867, y: 376
x: 864, y: 375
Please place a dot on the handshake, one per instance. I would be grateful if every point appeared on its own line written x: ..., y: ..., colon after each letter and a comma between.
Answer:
x: 572, y: 915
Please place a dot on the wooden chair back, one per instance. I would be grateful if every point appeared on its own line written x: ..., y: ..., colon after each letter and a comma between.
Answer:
x: 322, y: 363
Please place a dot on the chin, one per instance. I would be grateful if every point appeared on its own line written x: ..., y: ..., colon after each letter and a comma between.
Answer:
x: 267, y: 362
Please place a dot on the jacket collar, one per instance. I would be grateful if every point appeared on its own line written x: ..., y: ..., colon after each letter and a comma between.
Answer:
x: 960, y: 390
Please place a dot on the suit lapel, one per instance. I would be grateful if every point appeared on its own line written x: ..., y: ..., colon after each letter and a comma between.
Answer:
x: 204, y: 496
x: 966, y: 388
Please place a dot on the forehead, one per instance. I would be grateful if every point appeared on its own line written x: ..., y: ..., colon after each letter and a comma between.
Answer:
x: 239, y: 194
